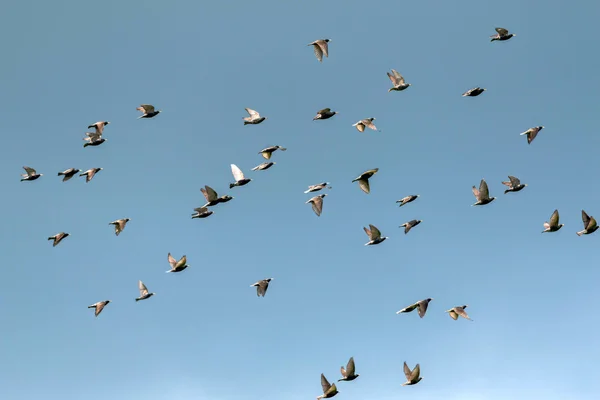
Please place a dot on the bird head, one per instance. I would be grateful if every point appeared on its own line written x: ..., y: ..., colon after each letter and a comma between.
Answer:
x: 127, y: 220
x: 269, y: 279
x: 484, y: 89
x: 66, y: 234
x: 106, y: 122
x: 429, y: 299
x: 541, y: 127
x: 525, y: 185
x: 420, y: 220
x: 107, y: 301
x: 41, y: 174
x: 327, y: 40
x: 389, y: 90
x: 410, y: 84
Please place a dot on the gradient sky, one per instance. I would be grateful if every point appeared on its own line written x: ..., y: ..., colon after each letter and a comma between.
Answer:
x: 206, y: 335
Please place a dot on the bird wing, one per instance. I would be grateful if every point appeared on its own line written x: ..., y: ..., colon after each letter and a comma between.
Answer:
x: 461, y: 311
x: 201, y: 210
x: 532, y: 134
x: 514, y: 181
x: 554, y: 218
x: 182, y: 261
x: 325, y: 383
x: 375, y: 233
x: 318, y: 51
x: 262, y: 287
x: 344, y: 373
x: 172, y: 261
x: 252, y: 113
x: 415, y: 373
x: 393, y: 78
x: 475, y: 192
x: 507, y: 183
x: 422, y: 308
x: 483, y: 189
x: 453, y: 314
x: 324, y: 46
x: 408, y: 309
x: 237, y: 173
x: 360, y: 126
x: 502, y: 31
x: 143, y: 289
x: 591, y: 224
x: 209, y: 193
x: 369, y: 124
x: 146, y: 108
x: 468, y: 92
x: 585, y: 218
x: 350, y: 367
x: 407, y: 371
x: 364, y: 185
x: 317, y: 205
x: 399, y: 77
x: 30, y: 171
x: 324, y: 111
x: 99, y: 308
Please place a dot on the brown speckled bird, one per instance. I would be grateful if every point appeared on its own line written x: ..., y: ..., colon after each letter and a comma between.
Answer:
x: 368, y: 123
x: 58, y: 238
x: 363, y: 180
x: 410, y: 224
x: 329, y: 390
x: 325, y: 113
x: 68, y: 173
x: 532, y: 133
x: 397, y: 81
x: 148, y: 110
x: 262, y: 286
x: 408, y: 199
x: 119, y: 225
x: 421, y: 306
x: 254, y: 118
x: 89, y: 174
x: 412, y: 377
x: 177, y: 266
x: 457, y: 311
x: 99, y: 306
x: 589, y: 224
x: 268, y: 151
x: 514, y: 184
x: 99, y: 126
x: 317, y: 203
x: 321, y: 47
x: 483, y: 194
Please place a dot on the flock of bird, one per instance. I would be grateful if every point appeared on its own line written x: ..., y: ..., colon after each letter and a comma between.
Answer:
x: 321, y: 48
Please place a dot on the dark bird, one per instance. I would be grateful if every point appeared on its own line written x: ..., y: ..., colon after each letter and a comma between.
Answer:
x: 374, y: 235
x: 262, y: 286
x: 212, y: 198
x: 68, y: 173
x: 420, y: 306
x: 514, y: 184
x: 99, y: 126
x: 316, y: 188
x: 268, y: 151
x: 553, y: 225
x: 532, y: 133
x: 93, y: 139
x: 483, y: 194
x: 177, y: 266
x: 321, y: 47
x: 238, y: 175
x: 457, y: 311
x: 363, y: 180
x: 329, y: 390
x: 143, y: 292
x: 99, y: 306
x: 589, y: 224
x: 30, y: 175
x: 119, y: 225
x: 501, y: 35
x: 58, y: 238
x: 410, y: 224
x: 263, y: 166
x: 325, y: 113
x: 349, y: 374
x: 317, y: 203
x: 397, y: 81
x: 407, y: 199
x: 473, y: 92
x: 412, y: 377
x: 254, y: 117
x: 89, y: 174
x: 148, y: 111
x: 201, y: 212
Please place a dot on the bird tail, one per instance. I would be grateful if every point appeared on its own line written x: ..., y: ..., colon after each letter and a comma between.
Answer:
x: 50, y: 238
x: 524, y: 133
x: 506, y: 191
x: 579, y: 233
x: 231, y: 186
x: 92, y: 306
x: 137, y: 300
x: 60, y: 173
x: 86, y: 145
x: 168, y: 271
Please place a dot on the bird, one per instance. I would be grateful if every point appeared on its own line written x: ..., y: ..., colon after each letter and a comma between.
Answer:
x: 367, y: 122
x: 148, y: 111
x: 329, y: 390
x: 421, y: 307
x: 457, y: 311
x: 363, y: 180
x: 212, y: 199
x: 349, y: 374
x: 532, y: 133
x: 408, y: 199
x: 58, y: 238
x: 514, y: 184
x: 68, y: 173
x: 483, y: 194
x: 201, y: 212
x: 238, y: 175
x: 374, y: 235
x: 410, y: 224
x: 397, y: 81
x: 268, y: 151
x: 262, y: 286
x: 254, y: 117
x: 99, y: 126
x: 89, y: 174
x: 30, y: 175
x: 412, y: 377
x: 93, y: 139
x: 177, y: 266
x: 325, y: 113
x: 119, y: 225
x: 321, y: 47
x: 316, y: 188
x: 553, y: 225
x: 99, y: 306
x: 589, y: 224
x: 317, y: 203
x: 501, y: 35
x: 473, y: 92
x: 143, y: 292
x: 263, y: 166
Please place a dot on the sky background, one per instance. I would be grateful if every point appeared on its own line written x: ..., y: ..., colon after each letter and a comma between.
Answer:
x: 206, y: 335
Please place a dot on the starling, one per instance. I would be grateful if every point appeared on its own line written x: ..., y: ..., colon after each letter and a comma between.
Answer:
x: 317, y: 204
x: 397, y: 81
x: 254, y: 117
x: 325, y: 113
x: 201, y: 212
x: 589, y: 224
x: 483, y: 194
x: 58, y: 238
x: 212, y: 198
x: 553, y: 225
x: 148, y: 111
x: 99, y: 126
x: 363, y: 180
x: 89, y: 174
x: 262, y: 286
x: 367, y: 122
x: 68, y: 173
x: 457, y: 311
x: 514, y: 184
x: 316, y: 188
x: 421, y: 307
x: 501, y: 35
x: 93, y: 139
x: 30, y: 174
x: 473, y: 92
x: 329, y: 390
x: 374, y: 235
x: 412, y: 377
x: 263, y: 166
x: 407, y: 199
x: 143, y: 292
x: 99, y: 306
x: 532, y: 133
x: 348, y: 374
x: 267, y: 152
x: 410, y: 224
x: 321, y: 47
x: 238, y: 175
x: 177, y: 266
x: 119, y: 225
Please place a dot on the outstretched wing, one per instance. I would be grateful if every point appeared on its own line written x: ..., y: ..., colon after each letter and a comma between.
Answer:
x: 375, y: 233
x: 585, y: 218
x: 502, y: 31
x: 146, y: 108
x: 237, y: 173
x: 30, y: 171
x: 143, y: 289
x: 209, y: 193
x: 253, y: 113
x: 172, y: 261
x: 514, y: 181
x: 483, y: 189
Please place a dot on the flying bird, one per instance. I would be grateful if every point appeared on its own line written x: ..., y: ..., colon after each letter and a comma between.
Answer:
x: 514, y: 184
x: 201, y: 212
x: 89, y: 174
x: 321, y: 47
x: 254, y: 117
x: 397, y: 81
x: 317, y: 203
x: 457, y: 311
x: 410, y: 224
x: 177, y: 266
x: 238, y: 175
x: 30, y: 175
x: 148, y: 110
x: 532, y: 133
x: 58, y: 238
x: 407, y: 199
x: 316, y: 188
x: 99, y: 126
x: 589, y: 224
x: 263, y: 166
x: 68, y: 174
x: 93, y: 139
x: 374, y: 235
x: 325, y: 113
x: 119, y: 225
x: 349, y: 374
x: 553, y: 225
x: 368, y: 123
x: 412, y: 377
x: 329, y: 390
x: 262, y: 286
x: 363, y: 180
x: 99, y: 306
x: 420, y: 306
x: 483, y: 194
x: 268, y: 151
x: 501, y: 35
x: 143, y: 292
x: 212, y: 199
x: 473, y: 92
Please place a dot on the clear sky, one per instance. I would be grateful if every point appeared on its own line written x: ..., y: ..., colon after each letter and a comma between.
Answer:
x: 206, y: 335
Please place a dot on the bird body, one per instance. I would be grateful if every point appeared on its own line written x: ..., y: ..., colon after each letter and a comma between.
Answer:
x: 30, y: 174
x: 58, y: 238
x: 89, y: 174
x: 99, y: 126
x: 177, y: 266
x: 263, y: 166
x: 374, y: 235
x: 321, y: 47
x: 99, y: 306
x: 589, y: 224
x: 262, y: 286
x: 325, y: 113
x: 93, y: 138
x: 144, y: 294
x: 483, y: 194
x: 501, y: 35
x: 254, y: 117
x: 119, y: 225
x: 514, y: 184
x: 397, y: 81
x: 317, y: 203
x: 410, y: 224
x: 201, y: 212
x: 365, y: 123
x: 476, y: 91
x: 316, y: 188
x: 148, y: 111
x: 68, y: 173
x: 212, y: 199
x: 268, y: 151
x: 407, y: 199
x: 458, y: 311
x: 412, y: 377
x: 553, y: 225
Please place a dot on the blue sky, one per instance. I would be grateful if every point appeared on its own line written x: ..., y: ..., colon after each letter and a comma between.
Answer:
x: 205, y: 334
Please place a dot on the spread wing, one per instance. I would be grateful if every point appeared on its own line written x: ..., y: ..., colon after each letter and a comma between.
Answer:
x: 350, y: 368
x: 237, y: 173
x: 262, y: 287
x: 324, y: 111
x: 591, y: 224
x: 399, y: 77
x: 317, y: 205
x: 172, y: 261
x: 146, y: 108
x: 476, y: 192
x: 143, y: 288
x: 325, y: 383
x: 253, y: 113
x: 483, y: 189
x: 415, y: 373
x: 393, y: 78
x: 182, y: 261
x: 375, y: 233
x: 422, y: 308
x: 368, y: 232
x: 461, y: 311
x: 585, y: 218
x: 369, y: 124
x: 364, y: 185
x: 514, y: 181
x: 407, y: 371
x: 324, y: 46
x: 209, y: 193
x: 554, y: 218
x: 531, y: 135
x: 453, y: 314
x: 30, y: 171
x: 502, y: 31
x: 318, y: 51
